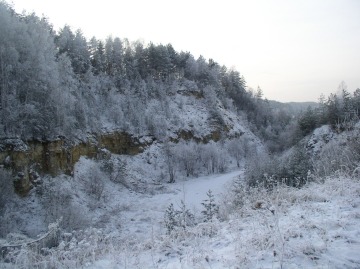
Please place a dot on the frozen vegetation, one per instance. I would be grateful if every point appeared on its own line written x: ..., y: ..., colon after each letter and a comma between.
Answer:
x: 219, y: 177
x: 139, y: 222
x: 313, y: 227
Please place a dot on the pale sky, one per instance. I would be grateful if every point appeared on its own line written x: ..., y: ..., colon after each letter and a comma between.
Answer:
x: 293, y: 49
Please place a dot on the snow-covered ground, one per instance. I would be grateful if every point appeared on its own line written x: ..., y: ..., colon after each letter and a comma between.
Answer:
x: 145, y: 213
x: 317, y: 226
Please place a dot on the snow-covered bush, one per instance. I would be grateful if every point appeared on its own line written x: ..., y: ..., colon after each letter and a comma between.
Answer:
x: 116, y: 169
x: 181, y: 218
x: 193, y: 159
x: 259, y: 167
x: 57, y: 199
x: 93, y: 180
x: 238, y: 149
x: 293, y: 168
x: 338, y: 157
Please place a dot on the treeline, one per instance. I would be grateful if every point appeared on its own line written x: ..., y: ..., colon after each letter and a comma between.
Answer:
x: 59, y: 83
x: 341, y: 110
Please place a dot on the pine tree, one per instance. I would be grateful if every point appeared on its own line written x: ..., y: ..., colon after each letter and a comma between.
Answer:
x: 299, y: 165
x: 308, y: 121
x: 118, y: 63
x: 211, y: 209
x: 98, y: 59
x: 81, y: 58
x: 238, y: 192
x: 170, y: 218
x: 185, y: 217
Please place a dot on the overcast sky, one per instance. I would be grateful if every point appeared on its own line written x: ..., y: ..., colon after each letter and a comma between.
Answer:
x: 293, y: 49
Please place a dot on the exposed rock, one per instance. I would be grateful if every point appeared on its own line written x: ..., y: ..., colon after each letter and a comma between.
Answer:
x: 121, y: 143
x: 59, y: 156
x: 27, y: 159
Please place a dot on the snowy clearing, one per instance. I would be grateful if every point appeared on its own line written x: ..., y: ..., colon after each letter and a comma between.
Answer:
x: 145, y: 213
x: 317, y: 226
x: 314, y: 227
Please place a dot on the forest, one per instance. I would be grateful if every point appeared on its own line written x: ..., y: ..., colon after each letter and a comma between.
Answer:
x: 56, y: 83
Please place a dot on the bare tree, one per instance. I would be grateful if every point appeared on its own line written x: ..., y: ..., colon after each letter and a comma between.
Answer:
x: 6, y: 188
x: 188, y: 157
x: 56, y: 198
x: 95, y: 182
x: 7, y: 196
x: 238, y: 149
x: 170, y: 161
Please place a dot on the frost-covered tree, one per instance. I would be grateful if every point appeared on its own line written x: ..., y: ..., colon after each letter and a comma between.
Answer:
x: 65, y: 120
x: 238, y: 190
x: 27, y: 49
x: 65, y: 41
x: 75, y: 47
x: 170, y: 161
x: 140, y: 61
x: 6, y: 189
x: 109, y: 51
x: 307, y: 122
x: 184, y: 216
x: 118, y: 63
x: 118, y: 171
x: 298, y: 167
x: 114, y: 83
x: 237, y: 149
x: 211, y: 209
x: 93, y: 180
x: 214, y: 158
x: 188, y: 157
x: 170, y: 219
x: 98, y: 57
x: 81, y: 60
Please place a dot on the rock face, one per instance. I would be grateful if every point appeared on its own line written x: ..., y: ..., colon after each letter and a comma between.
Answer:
x: 59, y: 156
x: 188, y: 135
x: 28, y: 158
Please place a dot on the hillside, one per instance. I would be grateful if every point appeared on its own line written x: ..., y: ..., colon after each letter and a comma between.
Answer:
x: 129, y: 107
x: 311, y: 227
x: 78, y: 97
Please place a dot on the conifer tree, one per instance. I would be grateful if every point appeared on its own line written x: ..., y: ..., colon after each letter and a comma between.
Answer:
x: 184, y: 215
x: 211, y: 209
x: 170, y: 218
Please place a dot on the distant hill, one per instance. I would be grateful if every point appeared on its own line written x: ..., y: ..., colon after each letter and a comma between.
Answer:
x: 293, y: 108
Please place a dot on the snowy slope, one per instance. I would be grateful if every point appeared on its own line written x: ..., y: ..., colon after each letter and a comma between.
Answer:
x: 317, y: 226
x: 314, y: 227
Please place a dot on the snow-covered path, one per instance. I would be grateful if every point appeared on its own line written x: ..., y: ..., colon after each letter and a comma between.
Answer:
x: 146, y: 212
x: 316, y: 226
x: 193, y: 192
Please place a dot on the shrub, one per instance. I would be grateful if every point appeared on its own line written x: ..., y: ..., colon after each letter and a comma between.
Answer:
x: 6, y: 188
x: 292, y: 169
